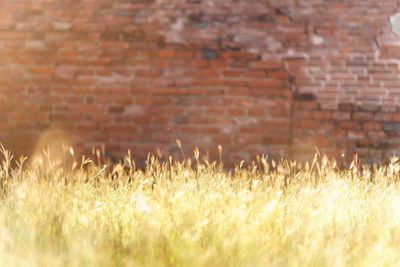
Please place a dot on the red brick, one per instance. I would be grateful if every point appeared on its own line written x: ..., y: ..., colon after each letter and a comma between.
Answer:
x: 42, y: 70
x: 328, y: 125
x: 87, y: 108
x: 199, y: 63
x: 209, y: 82
x: 257, y: 112
x: 323, y: 142
x: 221, y: 139
x: 190, y: 130
x: 200, y: 120
x: 236, y: 112
x: 322, y: 115
x: 12, y: 35
x: 372, y: 126
x: 162, y: 120
x: 255, y: 74
x: 217, y: 64
x: 302, y: 114
x: 279, y: 112
x: 215, y: 92
x: 348, y: 107
x: 278, y: 74
x: 309, y: 105
x: 103, y: 72
x: 362, y: 116
x: 356, y: 134
x: 173, y: 74
x: 396, y: 117
x: 277, y: 123
x: 235, y: 83
x: 341, y: 115
x: 120, y: 137
x: 246, y: 139
x: 168, y: 54
x: 237, y: 91
x: 209, y: 73
x: 350, y: 125
x: 265, y: 83
x: 142, y: 119
x: 210, y: 130
x: 364, y: 143
x: 254, y: 130
x: 377, y: 135
x: 162, y: 138
x: 184, y: 54
x: 116, y: 109
x: 338, y: 133
x: 241, y: 55
x: 232, y: 73
x: 275, y: 140
x: 308, y: 124
x: 88, y: 127
x: 161, y: 63
x: 168, y: 91
x: 215, y: 111
x: 148, y: 73
x: 267, y: 65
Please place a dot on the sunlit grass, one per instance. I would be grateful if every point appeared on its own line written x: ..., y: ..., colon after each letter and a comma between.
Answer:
x: 195, y: 213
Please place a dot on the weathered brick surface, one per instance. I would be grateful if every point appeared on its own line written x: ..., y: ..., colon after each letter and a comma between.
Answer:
x: 257, y: 76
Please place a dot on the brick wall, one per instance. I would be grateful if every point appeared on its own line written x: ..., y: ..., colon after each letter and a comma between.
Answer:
x: 256, y: 76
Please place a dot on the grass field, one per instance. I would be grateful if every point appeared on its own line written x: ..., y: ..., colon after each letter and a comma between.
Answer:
x: 195, y: 213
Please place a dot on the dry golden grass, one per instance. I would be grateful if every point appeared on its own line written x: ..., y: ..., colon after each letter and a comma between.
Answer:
x: 197, y: 214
